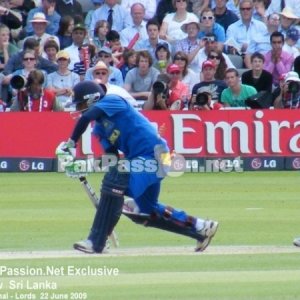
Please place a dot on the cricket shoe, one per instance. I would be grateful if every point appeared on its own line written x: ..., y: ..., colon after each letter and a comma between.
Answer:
x: 208, y: 232
x: 297, y: 242
x: 86, y: 246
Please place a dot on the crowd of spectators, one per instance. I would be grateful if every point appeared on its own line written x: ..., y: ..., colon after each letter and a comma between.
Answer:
x: 208, y: 54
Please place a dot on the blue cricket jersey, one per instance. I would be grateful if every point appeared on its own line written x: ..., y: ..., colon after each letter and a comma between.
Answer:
x: 127, y: 130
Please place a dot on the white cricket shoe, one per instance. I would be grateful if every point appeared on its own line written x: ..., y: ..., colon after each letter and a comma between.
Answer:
x: 297, y: 242
x: 208, y: 232
x: 85, y: 246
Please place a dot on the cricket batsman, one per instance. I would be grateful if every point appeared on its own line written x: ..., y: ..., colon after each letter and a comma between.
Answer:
x: 119, y: 127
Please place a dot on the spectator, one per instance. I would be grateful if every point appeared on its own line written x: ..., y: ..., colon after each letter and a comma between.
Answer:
x: 149, y: 5
x: 114, y: 43
x: 100, y: 32
x: 262, y: 43
x: 34, y: 97
x: 223, y: 15
x: 115, y: 76
x: 236, y: 93
x: 9, y: 18
x: 129, y: 61
x: 50, y: 49
x: 260, y: 10
x: 289, y: 96
x: 164, y: 7
x: 203, y: 101
x: 137, y: 30
x: 62, y: 82
x: 171, y: 26
x: 240, y: 33
x: 210, y: 44
x: 101, y: 75
x: 288, y: 20
x: 78, y: 36
x: 149, y: 44
x: 7, y: 49
x: 162, y: 55
x: 296, y: 67
x: 117, y: 17
x: 208, y: 25
x: 47, y: 7
x: 88, y: 18
x: 257, y: 76
x: 15, y: 62
x: 277, y: 61
x: 217, y: 57
x: 86, y: 60
x: 139, y: 80
x: 69, y: 7
x: 209, y: 83
x: 198, y: 6
x: 291, y: 39
x: 179, y: 91
x: 28, y: 64
x: 277, y: 6
x: 191, y: 44
x: 39, y: 24
x: 187, y: 76
x: 65, y: 29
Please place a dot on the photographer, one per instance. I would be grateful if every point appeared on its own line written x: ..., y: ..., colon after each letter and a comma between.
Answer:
x: 159, y: 95
x: 289, y: 95
x: 203, y: 101
x: 31, y: 95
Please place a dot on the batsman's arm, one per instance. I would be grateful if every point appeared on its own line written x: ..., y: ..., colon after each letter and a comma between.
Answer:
x: 92, y: 114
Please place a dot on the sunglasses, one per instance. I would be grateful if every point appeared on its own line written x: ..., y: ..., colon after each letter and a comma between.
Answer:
x: 209, y: 39
x: 214, y: 57
x: 101, y: 73
x: 28, y: 58
x: 245, y: 8
x: 175, y: 73
x: 207, y: 18
x: 179, y: 58
x: 180, y: 1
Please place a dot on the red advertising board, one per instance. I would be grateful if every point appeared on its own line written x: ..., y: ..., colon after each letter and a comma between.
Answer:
x: 227, y: 133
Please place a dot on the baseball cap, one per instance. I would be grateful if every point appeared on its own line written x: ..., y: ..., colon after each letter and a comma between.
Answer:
x: 292, y: 76
x: 173, y: 68
x: 62, y: 54
x: 105, y: 50
x: 162, y: 45
x: 209, y: 64
x: 79, y: 26
x: 39, y: 17
x: 101, y: 66
x: 293, y: 34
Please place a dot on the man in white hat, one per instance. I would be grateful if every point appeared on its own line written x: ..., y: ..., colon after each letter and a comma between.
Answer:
x: 289, y: 96
x: 101, y: 73
x: 47, y: 7
x: 39, y: 25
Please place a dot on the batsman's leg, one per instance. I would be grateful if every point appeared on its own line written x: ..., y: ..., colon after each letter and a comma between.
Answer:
x: 170, y: 219
x: 108, y: 212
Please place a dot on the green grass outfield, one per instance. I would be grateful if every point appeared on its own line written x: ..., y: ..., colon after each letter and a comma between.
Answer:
x: 251, y: 256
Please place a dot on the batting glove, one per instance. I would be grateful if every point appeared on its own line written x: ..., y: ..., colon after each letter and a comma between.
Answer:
x: 66, y: 152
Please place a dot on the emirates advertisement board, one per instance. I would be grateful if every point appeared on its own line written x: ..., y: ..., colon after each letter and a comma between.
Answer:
x: 263, y: 139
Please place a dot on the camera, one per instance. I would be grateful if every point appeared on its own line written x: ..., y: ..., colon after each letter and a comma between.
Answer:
x: 160, y: 87
x: 293, y: 87
x: 202, y: 99
x: 18, y: 82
